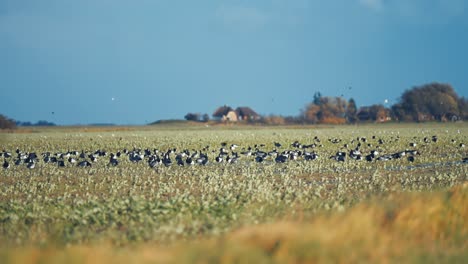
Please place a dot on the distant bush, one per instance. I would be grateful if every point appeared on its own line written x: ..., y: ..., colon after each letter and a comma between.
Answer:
x: 333, y: 120
x: 274, y: 120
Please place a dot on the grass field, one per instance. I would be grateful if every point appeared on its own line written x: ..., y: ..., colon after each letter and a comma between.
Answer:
x: 300, y: 211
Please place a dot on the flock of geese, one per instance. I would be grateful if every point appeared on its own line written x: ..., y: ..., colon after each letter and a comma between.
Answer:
x: 229, y: 154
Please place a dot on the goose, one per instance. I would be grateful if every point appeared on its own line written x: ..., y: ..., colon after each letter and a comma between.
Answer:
x: 281, y: 158
x: 72, y: 160
x: 147, y: 152
x: 179, y: 160
x: 219, y: 159
x: 189, y: 161
x: 296, y: 144
x: 273, y: 153
x: 154, y: 161
x: 113, y: 160
x: 412, y: 144
x: 203, y: 159
x: 262, y: 154
x: 385, y: 158
x: 61, y: 163
x: 31, y: 165
x: 232, y: 159
x: 310, y: 156
x: 259, y: 159
x: 355, y: 154
x: 233, y: 147
x: 247, y: 153
x: 411, y: 158
x: 462, y: 145
x: 399, y: 155
x: 293, y: 155
x: 223, y: 152
x: 6, y: 165
x: 84, y: 163
x: 278, y: 145
x: 46, y: 159
x: 167, y: 160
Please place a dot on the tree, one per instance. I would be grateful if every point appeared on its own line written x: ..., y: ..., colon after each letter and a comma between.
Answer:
x: 326, y: 110
x: 351, y: 111
x: 428, y: 102
x: 463, y: 107
x: 192, y: 117
x: 7, y: 123
x: 206, y: 118
x: 317, y: 98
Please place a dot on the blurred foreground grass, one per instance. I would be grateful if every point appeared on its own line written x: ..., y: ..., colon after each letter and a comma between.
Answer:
x: 424, y: 227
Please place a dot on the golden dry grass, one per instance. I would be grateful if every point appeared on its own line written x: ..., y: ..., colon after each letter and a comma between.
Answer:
x: 430, y: 227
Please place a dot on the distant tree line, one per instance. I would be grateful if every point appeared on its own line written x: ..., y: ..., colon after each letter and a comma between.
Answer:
x: 197, y: 117
x: 429, y: 102
x: 38, y: 123
x: 8, y: 123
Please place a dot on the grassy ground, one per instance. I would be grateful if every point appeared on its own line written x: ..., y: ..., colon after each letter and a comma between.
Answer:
x: 298, y: 212
x: 410, y: 227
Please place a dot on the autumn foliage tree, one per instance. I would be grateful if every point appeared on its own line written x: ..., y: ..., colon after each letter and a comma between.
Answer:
x: 325, y: 110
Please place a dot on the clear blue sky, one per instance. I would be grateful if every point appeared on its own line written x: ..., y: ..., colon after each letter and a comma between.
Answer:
x: 137, y: 61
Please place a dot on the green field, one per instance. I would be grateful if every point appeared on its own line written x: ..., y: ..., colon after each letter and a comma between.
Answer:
x: 300, y: 211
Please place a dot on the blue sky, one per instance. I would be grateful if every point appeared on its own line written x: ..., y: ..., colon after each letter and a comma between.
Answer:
x: 132, y: 62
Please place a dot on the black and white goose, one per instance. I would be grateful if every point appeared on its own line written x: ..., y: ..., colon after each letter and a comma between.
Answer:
x: 339, y: 156
x: 189, y: 161
x: 31, y: 164
x: 84, y: 163
x: 310, y: 156
x: 232, y: 159
x: 179, y: 160
x: 219, y: 159
x: 282, y: 158
x: 167, y: 160
x: 60, y: 163
x: 259, y: 159
x: 6, y: 165
x: 154, y: 161
x: 113, y: 160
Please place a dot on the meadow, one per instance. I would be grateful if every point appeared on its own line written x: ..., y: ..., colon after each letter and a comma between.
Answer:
x: 392, y: 209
